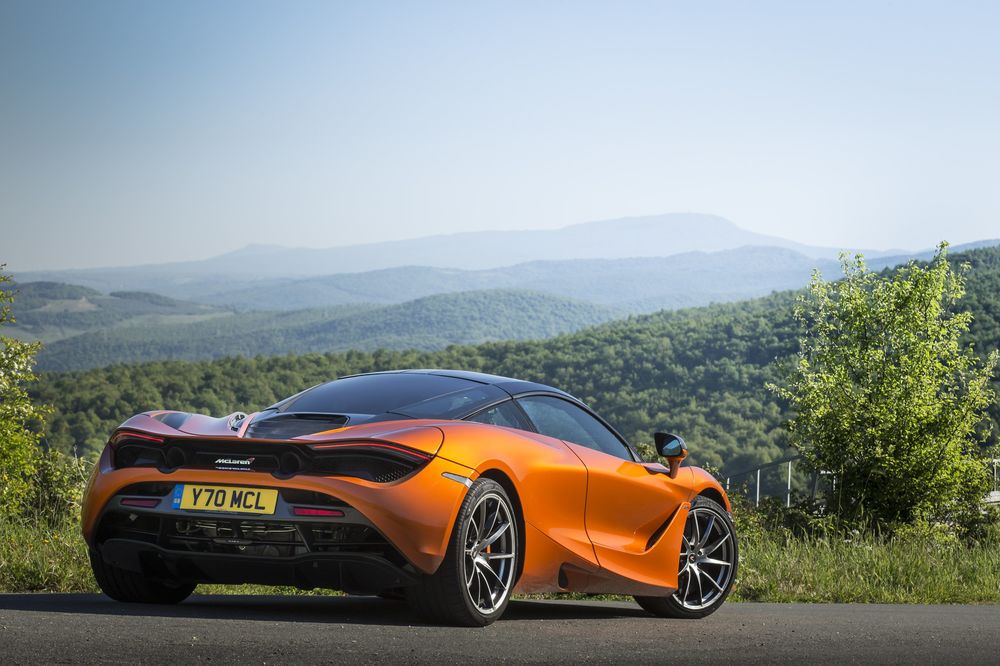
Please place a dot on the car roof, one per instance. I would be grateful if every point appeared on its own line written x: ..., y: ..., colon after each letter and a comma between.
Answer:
x: 508, y: 384
x: 422, y: 398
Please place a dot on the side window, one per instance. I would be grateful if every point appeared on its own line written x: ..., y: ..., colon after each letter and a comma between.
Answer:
x: 504, y: 414
x: 561, y: 419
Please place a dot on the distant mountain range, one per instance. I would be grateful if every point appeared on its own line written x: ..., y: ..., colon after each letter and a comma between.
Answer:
x: 640, y: 284
x: 624, y: 238
x: 460, y: 289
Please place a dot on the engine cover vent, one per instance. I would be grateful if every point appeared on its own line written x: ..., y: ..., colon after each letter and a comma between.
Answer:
x: 287, y: 426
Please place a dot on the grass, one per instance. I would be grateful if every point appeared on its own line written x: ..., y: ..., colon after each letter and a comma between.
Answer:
x: 775, y: 567
x: 34, y: 559
x: 867, y: 569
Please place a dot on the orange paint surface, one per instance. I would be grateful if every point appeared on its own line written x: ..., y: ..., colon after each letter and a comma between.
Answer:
x: 591, y: 522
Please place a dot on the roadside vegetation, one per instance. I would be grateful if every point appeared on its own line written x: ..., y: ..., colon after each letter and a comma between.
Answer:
x: 884, y: 395
x: 885, y: 380
x: 801, y: 555
x: 777, y: 564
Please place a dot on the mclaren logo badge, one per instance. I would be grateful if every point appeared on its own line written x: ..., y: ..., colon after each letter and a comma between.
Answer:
x: 234, y: 463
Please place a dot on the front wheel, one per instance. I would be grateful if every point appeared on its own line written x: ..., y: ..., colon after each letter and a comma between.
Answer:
x: 473, y: 584
x: 708, y: 562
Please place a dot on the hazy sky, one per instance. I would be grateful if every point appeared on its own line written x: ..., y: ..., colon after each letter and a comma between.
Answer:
x: 140, y: 131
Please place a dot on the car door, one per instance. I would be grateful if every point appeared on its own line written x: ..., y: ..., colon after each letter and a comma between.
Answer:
x: 635, y: 513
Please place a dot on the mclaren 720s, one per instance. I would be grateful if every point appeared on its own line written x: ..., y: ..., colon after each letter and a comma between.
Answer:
x: 452, y: 489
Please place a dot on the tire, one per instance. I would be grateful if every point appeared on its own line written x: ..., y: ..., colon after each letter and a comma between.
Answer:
x: 131, y: 587
x: 472, y: 586
x: 715, y: 561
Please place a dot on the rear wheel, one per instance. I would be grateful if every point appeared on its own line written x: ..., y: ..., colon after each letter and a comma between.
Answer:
x: 708, y: 561
x: 473, y: 584
x: 131, y: 587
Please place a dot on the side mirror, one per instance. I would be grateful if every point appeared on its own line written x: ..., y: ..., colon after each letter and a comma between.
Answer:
x: 672, y: 448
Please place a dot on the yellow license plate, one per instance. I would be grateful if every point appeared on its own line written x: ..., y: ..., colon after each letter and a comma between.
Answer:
x: 225, y: 498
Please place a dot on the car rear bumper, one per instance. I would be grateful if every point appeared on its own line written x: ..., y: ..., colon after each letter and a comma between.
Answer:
x: 414, y: 515
x: 358, y: 573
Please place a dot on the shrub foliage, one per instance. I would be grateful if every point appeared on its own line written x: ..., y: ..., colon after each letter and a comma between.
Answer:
x: 886, y: 397
x: 20, y: 420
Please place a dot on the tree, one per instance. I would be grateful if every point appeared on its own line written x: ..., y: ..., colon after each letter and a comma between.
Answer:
x: 20, y: 420
x: 886, y: 397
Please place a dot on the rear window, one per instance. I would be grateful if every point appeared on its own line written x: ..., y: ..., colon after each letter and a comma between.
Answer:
x: 454, y: 405
x: 375, y: 394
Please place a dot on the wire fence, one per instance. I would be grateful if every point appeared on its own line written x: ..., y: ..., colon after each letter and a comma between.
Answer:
x: 994, y: 496
x: 791, y: 476
x: 774, y: 479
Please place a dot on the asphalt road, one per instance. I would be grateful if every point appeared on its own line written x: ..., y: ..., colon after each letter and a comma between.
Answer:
x: 86, y: 628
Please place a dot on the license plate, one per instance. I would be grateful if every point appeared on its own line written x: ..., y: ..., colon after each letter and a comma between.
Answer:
x: 230, y: 499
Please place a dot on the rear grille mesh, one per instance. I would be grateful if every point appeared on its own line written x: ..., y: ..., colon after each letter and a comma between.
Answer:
x: 255, y: 538
x: 234, y: 536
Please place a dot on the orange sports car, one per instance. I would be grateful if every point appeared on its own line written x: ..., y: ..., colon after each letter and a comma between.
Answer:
x: 454, y: 489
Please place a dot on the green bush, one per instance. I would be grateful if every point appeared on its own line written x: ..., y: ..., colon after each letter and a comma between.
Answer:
x: 55, y: 489
x: 886, y: 396
x: 46, y: 490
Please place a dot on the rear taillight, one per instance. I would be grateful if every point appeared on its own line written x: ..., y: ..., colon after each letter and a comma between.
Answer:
x: 381, y: 447
x: 376, y: 461
x: 136, y: 452
x: 133, y: 449
x: 373, y: 461
x: 135, y: 435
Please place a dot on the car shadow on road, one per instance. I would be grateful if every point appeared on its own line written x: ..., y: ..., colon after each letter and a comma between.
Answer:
x: 318, y: 609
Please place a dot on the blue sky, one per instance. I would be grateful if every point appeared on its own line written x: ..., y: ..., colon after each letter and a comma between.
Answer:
x: 158, y: 131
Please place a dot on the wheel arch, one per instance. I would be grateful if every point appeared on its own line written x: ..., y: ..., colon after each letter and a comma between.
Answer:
x: 501, y: 477
x: 703, y: 483
x: 715, y: 495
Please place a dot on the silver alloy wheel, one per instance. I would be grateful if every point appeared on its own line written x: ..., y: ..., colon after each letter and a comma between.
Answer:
x: 706, y: 562
x: 490, y: 539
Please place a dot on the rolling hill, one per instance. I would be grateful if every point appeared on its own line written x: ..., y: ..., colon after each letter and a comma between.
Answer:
x: 429, y: 323
x: 50, y: 311
x: 699, y: 371
x: 395, y: 308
